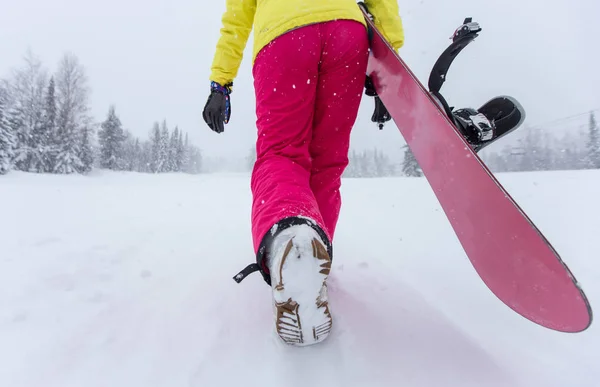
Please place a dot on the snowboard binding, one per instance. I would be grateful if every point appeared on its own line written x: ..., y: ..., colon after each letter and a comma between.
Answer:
x: 494, y: 119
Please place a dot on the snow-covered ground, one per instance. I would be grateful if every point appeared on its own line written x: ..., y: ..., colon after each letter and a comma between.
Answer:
x: 126, y: 280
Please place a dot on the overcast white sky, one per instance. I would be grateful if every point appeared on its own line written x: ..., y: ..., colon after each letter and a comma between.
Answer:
x: 152, y: 58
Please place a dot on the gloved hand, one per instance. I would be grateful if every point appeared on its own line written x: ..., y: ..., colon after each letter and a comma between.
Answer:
x: 381, y: 114
x: 217, y: 110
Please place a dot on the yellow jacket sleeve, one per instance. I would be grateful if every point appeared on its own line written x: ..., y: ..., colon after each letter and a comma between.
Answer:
x: 237, y: 25
x: 387, y: 20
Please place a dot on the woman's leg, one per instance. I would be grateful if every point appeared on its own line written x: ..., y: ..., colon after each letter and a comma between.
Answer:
x: 285, y: 80
x: 291, y: 250
x: 339, y: 91
x: 308, y: 86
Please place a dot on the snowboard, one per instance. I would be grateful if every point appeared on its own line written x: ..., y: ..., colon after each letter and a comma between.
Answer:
x: 510, y: 254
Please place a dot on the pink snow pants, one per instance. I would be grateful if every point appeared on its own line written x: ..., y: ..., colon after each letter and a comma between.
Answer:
x: 308, y: 84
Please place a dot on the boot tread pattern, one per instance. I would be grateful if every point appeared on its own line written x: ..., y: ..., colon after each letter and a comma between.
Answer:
x: 288, y: 320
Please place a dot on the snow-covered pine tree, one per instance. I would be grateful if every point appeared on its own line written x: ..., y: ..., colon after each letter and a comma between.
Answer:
x: 163, y: 148
x: 72, y: 95
x: 155, y: 140
x: 180, y: 152
x: 67, y: 157
x: 111, y: 137
x: 192, y: 158
x: 38, y: 153
x: 128, y: 152
x: 146, y: 157
x: 42, y: 138
x: 137, y: 156
x: 49, y: 134
x: 16, y: 117
x: 594, y: 143
x: 410, y: 166
x: 86, y: 151
x: 7, y: 137
x: 132, y: 157
x: 173, y: 143
x: 27, y: 86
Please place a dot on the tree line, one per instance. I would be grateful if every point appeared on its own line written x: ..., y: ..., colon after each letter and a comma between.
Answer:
x: 165, y: 150
x: 366, y: 163
x: 535, y: 149
x: 46, y: 126
x: 375, y: 163
x: 539, y: 149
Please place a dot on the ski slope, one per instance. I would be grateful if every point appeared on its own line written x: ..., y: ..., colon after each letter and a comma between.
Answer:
x: 124, y: 279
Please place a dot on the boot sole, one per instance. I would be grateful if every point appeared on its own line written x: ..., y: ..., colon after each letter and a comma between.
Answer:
x: 301, y: 301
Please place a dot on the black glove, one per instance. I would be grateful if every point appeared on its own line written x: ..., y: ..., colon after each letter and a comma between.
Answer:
x: 217, y: 110
x: 381, y: 114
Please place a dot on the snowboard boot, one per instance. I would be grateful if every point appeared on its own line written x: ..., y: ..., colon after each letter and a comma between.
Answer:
x: 495, y: 119
x: 299, y: 265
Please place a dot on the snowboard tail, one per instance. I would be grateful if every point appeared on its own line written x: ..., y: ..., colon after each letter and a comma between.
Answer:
x: 507, y: 250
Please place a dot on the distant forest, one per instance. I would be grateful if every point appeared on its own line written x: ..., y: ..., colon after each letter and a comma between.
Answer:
x: 529, y: 149
x: 46, y: 127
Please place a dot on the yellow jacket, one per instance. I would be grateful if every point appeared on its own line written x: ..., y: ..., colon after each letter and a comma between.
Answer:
x: 271, y: 18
